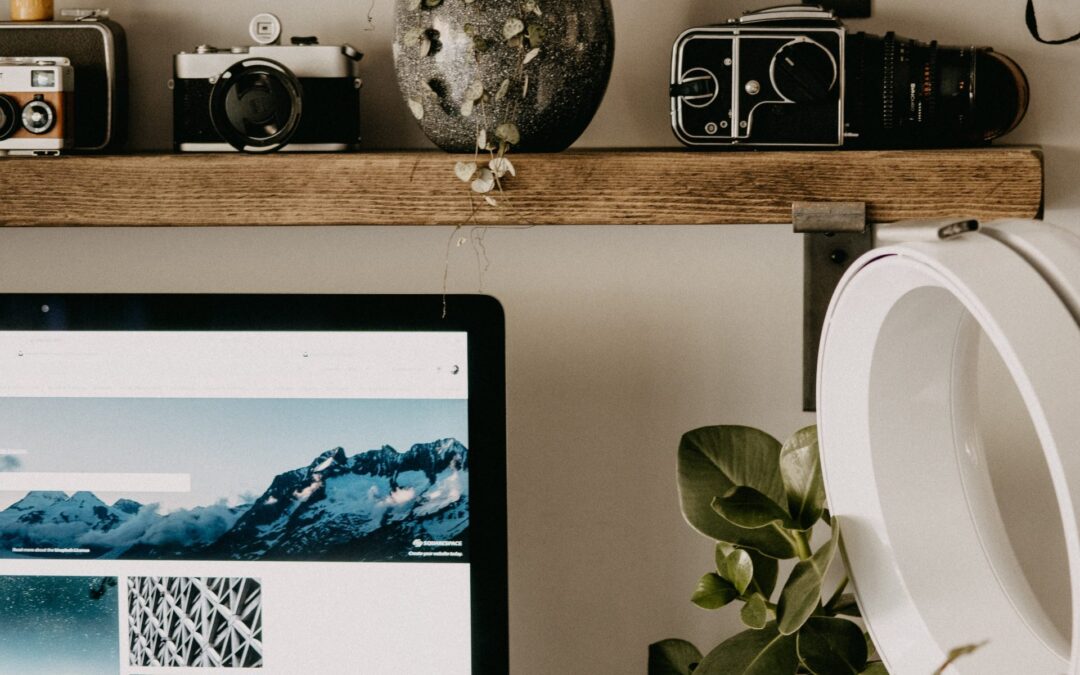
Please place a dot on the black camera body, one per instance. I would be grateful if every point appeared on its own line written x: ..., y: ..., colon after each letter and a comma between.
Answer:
x: 299, y: 97
x: 793, y: 76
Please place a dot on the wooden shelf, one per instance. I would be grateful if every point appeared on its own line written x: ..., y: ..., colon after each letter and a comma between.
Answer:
x: 575, y: 188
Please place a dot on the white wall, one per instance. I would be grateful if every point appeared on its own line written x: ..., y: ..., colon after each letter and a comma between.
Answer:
x: 619, y: 339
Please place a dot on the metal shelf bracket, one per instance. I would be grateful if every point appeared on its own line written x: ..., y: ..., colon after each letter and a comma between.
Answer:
x: 836, y: 233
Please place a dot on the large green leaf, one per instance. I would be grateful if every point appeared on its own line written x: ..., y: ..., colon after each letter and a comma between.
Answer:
x: 713, y: 460
x: 800, y: 469
x: 713, y: 592
x: 875, y: 668
x: 753, y: 652
x: 746, y: 507
x: 830, y: 646
x: 802, y: 592
x: 673, y: 657
x: 754, y: 613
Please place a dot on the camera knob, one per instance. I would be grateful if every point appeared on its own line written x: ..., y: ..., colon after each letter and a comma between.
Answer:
x: 804, y: 71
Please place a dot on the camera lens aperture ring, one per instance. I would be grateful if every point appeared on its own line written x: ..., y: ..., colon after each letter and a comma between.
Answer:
x: 9, y: 117
x: 888, y: 81
x: 255, y: 105
x: 38, y: 117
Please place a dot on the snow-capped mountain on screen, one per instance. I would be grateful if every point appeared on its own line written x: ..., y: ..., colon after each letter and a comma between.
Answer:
x: 371, y: 506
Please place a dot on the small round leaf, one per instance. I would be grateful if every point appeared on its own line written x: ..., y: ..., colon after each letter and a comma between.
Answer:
x: 509, y: 133
x: 417, y: 108
x: 713, y: 592
x: 754, y: 613
x: 485, y: 182
x: 513, y: 27
x: 739, y: 570
x: 465, y: 171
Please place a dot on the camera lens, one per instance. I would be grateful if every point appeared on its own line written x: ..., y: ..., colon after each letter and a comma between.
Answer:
x: 38, y: 117
x: 904, y: 93
x: 9, y: 117
x: 256, y: 104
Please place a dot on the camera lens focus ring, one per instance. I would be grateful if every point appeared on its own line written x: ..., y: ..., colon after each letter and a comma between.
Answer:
x: 255, y: 105
x: 38, y: 117
x: 9, y: 117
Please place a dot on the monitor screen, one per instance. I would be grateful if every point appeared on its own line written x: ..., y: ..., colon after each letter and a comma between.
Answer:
x: 285, y: 496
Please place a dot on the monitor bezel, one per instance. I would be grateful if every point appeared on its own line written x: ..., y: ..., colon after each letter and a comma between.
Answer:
x: 479, y: 316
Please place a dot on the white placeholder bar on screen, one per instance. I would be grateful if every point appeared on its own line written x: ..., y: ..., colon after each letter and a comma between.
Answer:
x: 28, y: 481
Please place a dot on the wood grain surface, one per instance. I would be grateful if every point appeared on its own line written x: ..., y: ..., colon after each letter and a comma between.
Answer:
x: 615, y: 187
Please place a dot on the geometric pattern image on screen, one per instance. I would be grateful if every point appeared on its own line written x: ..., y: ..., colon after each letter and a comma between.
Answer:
x: 195, y: 622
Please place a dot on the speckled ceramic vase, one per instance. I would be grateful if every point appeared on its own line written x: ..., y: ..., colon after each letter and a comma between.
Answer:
x: 498, y: 70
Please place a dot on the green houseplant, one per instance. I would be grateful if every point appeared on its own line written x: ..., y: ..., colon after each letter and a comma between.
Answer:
x: 760, y: 500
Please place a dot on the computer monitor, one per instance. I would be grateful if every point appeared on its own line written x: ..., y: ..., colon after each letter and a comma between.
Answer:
x: 252, y: 483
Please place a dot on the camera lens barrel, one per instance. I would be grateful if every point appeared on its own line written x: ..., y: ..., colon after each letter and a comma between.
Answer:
x: 9, y: 117
x: 256, y: 104
x: 906, y: 93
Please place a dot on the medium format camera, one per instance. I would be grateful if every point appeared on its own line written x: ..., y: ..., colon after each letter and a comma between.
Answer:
x: 36, y: 105
x: 303, y: 96
x: 794, y: 76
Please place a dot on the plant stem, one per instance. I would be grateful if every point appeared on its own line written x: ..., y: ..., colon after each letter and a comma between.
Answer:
x: 802, y: 545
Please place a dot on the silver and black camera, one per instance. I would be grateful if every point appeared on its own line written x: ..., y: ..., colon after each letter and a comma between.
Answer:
x: 794, y: 76
x: 299, y: 97
x: 36, y: 105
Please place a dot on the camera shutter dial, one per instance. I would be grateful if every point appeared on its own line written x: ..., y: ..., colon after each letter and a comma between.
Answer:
x: 38, y: 117
x: 255, y: 105
x: 803, y: 71
x: 9, y: 117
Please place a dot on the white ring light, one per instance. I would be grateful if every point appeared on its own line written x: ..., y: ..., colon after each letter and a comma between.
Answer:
x: 923, y: 539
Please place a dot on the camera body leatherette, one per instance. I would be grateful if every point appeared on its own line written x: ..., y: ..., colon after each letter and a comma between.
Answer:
x: 97, y: 48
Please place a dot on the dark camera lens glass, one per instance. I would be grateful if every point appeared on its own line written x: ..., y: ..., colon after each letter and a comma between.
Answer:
x: 256, y: 104
x: 9, y: 117
x: 903, y: 92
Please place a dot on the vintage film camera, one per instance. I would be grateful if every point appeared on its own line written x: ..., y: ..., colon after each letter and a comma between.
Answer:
x: 304, y: 96
x: 36, y: 105
x: 96, y: 46
x: 794, y: 76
